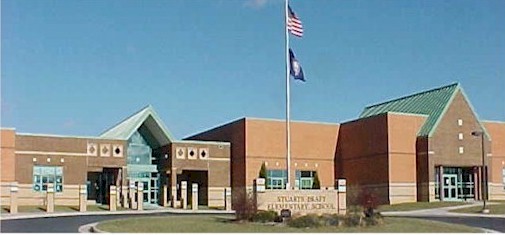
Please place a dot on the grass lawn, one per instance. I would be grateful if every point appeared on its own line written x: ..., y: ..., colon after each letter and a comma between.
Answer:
x: 493, y: 209
x: 213, y: 224
x: 418, y: 206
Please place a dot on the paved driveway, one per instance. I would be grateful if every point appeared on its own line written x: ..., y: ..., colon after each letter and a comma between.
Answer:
x: 65, y: 224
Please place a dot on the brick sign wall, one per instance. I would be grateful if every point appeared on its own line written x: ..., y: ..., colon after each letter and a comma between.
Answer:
x: 301, y: 201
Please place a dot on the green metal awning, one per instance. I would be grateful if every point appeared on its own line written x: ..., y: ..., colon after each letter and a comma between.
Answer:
x: 145, y: 119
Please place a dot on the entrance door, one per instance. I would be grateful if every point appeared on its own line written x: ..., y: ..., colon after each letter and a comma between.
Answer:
x: 450, y: 187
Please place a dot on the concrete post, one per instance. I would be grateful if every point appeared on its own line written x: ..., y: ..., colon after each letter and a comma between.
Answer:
x: 50, y: 198
x: 124, y: 196
x: 184, y: 194
x: 14, y: 198
x: 194, y: 197
x: 342, y: 196
x: 83, y: 197
x: 173, y: 187
x: 118, y: 196
x: 140, y: 196
x: 164, y: 196
x: 227, y: 198
x: 131, y: 197
x: 112, y: 198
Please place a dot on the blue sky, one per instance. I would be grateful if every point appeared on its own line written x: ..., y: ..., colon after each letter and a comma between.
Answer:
x: 79, y: 67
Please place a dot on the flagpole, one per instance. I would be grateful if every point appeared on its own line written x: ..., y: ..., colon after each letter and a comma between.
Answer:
x: 288, y: 136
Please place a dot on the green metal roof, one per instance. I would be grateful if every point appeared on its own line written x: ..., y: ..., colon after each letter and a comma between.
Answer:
x: 147, y: 116
x: 433, y: 103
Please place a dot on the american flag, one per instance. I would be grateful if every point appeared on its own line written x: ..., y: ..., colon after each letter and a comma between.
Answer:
x: 294, y: 24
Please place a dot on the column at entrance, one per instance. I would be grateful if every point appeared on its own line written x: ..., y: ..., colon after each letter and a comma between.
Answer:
x: 476, y: 185
x: 441, y: 182
x: 173, y: 187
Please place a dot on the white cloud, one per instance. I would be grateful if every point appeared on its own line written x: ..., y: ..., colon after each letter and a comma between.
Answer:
x: 69, y: 124
x: 256, y: 4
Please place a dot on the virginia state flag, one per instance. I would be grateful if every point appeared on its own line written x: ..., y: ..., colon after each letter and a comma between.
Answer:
x: 295, y: 68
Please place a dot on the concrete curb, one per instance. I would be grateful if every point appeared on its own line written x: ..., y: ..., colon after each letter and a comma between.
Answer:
x: 94, y: 229
x: 87, y: 228
x: 489, y: 230
x: 67, y: 214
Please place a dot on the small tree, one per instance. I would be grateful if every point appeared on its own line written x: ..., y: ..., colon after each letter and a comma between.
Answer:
x: 263, y: 173
x: 245, y: 207
x: 369, y: 201
x: 316, y: 184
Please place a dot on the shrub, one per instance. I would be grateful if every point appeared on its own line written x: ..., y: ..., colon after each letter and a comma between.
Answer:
x: 376, y: 219
x: 316, y: 184
x: 368, y: 201
x: 332, y: 219
x: 353, y: 220
x: 264, y: 216
x: 306, y: 221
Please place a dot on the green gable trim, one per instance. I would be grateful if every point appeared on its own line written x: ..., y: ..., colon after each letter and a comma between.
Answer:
x: 125, y: 129
x: 432, y: 103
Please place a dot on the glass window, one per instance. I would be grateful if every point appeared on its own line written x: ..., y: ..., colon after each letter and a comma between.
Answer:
x: 276, y: 179
x: 305, y: 179
x: 43, y: 175
x: 138, y: 151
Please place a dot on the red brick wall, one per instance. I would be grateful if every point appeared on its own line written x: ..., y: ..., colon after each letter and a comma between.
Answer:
x: 497, y: 160
x: 362, y: 156
x: 8, y: 160
x: 312, y: 148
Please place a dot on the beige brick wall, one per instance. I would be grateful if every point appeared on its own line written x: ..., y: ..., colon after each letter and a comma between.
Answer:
x: 28, y: 197
x: 402, y: 192
x: 216, y: 196
x: 496, y: 191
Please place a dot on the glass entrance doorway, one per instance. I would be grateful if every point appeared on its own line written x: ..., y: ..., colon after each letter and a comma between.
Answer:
x: 150, y: 188
x: 450, y: 187
x: 457, y: 183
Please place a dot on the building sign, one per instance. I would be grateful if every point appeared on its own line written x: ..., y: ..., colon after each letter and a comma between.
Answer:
x: 299, y: 201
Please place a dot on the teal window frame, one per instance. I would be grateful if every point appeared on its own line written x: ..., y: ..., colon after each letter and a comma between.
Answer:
x: 276, y: 179
x: 43, y: 175
x: 305, y: 179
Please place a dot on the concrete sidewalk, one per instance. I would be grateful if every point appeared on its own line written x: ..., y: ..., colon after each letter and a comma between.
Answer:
x: 6, y: 216
x: 443, y: 212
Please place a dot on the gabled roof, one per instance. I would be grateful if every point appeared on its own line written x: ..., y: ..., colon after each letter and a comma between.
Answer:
x: 433, y: 103
x: 147, y: 117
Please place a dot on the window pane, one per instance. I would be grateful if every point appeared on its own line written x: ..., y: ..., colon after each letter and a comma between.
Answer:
x: 59, y: 170
x: 306, y: 173
x: 50, y: 179
x: 43, y: 175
